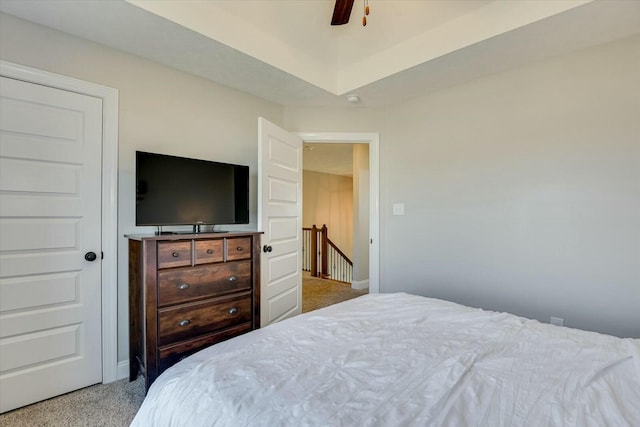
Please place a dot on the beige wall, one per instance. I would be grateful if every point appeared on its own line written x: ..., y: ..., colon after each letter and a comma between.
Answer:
x: 328, y: 199
x: 161, y: 110
x: 522, y: 189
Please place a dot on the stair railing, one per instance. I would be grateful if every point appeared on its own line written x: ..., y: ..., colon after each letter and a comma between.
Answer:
x: 322, y: 258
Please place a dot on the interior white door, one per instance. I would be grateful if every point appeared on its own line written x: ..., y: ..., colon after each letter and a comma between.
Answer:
x: 280, y: 218
x: 50, y: 217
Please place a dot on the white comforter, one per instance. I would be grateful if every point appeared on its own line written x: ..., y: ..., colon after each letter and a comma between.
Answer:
x: 403, y: 360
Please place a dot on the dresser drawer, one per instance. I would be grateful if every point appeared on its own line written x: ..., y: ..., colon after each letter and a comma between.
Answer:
x: 190, y: 320
x: 204, y: 281
x: 208, y: 251
x: 174, y: 254
x: 238, y: 248
x: 172, y: 354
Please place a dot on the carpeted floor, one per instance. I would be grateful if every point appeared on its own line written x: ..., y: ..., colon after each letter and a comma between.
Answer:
x: 318, y: 293
x: 109, y: 405
x: 115, y: 404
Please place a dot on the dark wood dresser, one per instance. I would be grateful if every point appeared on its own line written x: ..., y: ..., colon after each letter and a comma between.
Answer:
x: 187, y: 292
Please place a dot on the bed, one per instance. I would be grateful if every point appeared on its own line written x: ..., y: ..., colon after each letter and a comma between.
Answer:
x: 403, y: 360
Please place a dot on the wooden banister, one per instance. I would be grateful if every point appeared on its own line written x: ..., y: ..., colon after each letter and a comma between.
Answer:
x: 323, y: 249
x: 337, y: 249
x: 314, y: 251
x: 322, y: 258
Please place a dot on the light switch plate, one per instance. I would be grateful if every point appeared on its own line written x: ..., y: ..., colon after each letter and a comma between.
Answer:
x: 398, y: 208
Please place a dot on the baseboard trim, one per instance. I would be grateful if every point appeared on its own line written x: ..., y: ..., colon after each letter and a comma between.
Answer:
x: 123, y: 369
x: 360, y: 284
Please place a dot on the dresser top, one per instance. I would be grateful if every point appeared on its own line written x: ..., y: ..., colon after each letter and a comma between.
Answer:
x: 184, y: 236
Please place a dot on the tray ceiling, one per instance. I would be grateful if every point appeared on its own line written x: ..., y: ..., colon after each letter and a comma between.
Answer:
x: 286, y: 51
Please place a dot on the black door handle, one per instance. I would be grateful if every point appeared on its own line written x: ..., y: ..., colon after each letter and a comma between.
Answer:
x: 267, y: 248
x: 90, y: 256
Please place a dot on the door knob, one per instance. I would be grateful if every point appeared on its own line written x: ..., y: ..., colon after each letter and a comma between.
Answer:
x: 267, y: 248
x: 90, y: 256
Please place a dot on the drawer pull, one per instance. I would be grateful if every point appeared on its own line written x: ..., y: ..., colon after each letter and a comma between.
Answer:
x: 239, y: 249
x: 183, y: 286
x: 175, y: 254
x: 233, y: 311
x: 209, y: 251
x: 184, y: 322
x: 233, y: 278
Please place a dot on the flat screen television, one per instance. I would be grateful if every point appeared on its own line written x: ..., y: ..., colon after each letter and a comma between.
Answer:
x: 174, y: 190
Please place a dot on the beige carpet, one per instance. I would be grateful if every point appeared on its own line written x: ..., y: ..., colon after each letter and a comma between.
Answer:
x: 318, y: 293
x: 109, y: 405
x: 115, y: 404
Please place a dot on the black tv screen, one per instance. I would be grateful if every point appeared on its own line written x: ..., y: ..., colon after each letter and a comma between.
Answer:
x: 180, y: 191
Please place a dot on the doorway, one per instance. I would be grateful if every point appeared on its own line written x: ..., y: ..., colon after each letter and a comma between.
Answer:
x: 280, y: 215
x: 335, y: 219
x: 371, y: 140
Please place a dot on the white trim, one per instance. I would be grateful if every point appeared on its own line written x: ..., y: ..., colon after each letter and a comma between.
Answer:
x: 109, y: 98
x: 373, y: 139
x: 123, y: 370
x: 360, y: 284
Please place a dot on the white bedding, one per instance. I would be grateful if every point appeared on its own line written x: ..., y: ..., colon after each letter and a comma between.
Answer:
x: 403, y: 360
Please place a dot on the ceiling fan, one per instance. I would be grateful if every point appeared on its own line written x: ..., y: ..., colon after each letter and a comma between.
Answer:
x: 342, y: 12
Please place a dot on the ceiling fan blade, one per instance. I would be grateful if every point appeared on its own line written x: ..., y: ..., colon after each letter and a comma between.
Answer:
x: 341, y: 12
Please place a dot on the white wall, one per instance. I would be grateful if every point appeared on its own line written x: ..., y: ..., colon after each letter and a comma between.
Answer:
x: 361, y: 214
x: 522, y: 189
x: 324, y: 119
x: 161, y: 110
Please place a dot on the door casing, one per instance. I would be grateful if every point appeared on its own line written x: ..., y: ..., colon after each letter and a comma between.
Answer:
x: 373, y: 140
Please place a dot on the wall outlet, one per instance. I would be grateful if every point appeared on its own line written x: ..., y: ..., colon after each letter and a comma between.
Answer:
x: 558, y: 321
x: 398, y: 208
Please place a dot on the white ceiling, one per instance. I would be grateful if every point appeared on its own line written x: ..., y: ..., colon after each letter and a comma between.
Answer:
x: 286, y: 51
x: 332, y: 158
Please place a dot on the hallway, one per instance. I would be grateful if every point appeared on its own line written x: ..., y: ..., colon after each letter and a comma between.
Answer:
x: 318, y: 293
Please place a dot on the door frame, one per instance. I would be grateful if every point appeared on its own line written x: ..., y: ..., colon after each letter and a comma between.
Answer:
x: 373, y: 140
x: 109, y: 285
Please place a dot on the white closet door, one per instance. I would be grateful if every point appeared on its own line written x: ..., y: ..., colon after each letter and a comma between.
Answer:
x: 50, y: 208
